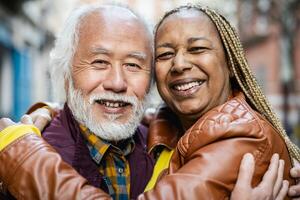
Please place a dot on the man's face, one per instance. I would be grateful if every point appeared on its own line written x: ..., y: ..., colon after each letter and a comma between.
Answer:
x: 111, y: 68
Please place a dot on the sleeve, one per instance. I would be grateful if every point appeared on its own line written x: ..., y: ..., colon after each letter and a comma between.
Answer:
x: 31, y: 169
x: 12, y: 133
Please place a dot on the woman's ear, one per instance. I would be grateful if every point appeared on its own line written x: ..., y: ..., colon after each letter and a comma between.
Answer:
x: 230, y: 69
x: 231, y: 73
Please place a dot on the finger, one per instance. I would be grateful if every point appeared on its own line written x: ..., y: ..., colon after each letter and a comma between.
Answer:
x: 295, y: 171
x: 41, y: 112
x: 283, y: 191
x: 296, y: 162
x: 279, y: 180
x: 296, y: 198
x: 41, y: 123
x: 270, y: 176
x: 294, y: 191
x: 246, y: 171
x: 5, y: 122
x: 26, y: 119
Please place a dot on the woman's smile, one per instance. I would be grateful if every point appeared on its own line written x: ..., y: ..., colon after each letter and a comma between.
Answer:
x: 185, y: 87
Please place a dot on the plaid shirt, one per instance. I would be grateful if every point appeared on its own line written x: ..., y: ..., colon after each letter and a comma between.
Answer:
x: 113, y: 165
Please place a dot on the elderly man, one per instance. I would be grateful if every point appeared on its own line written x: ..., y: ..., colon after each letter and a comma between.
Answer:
x: 103, y: 72
x: 102, y: 65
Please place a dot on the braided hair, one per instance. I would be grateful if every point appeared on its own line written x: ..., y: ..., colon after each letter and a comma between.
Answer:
x: 243, y: 77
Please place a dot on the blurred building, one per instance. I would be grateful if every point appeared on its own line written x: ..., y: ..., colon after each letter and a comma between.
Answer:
x: 27, y: 30
x: 23, y: 44
x: 270, y: 32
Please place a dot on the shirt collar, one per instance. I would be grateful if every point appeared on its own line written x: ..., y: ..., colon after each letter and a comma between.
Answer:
x: 99, y: 147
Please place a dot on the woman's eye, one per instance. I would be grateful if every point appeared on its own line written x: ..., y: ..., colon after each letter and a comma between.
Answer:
x: 197, y: 49
x: 164, y: 56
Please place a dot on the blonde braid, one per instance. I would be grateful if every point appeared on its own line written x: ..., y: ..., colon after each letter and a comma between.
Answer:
x: 259, y: 100
x: 241, y: 70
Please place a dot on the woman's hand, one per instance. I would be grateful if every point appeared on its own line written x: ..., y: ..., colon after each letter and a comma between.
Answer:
x: 6, y: 122
x: 271, y: 187
x: 41, y: 118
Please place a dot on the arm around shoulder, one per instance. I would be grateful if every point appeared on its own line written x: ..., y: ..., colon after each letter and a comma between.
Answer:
x: 31, y: 169
x: 208, y: 173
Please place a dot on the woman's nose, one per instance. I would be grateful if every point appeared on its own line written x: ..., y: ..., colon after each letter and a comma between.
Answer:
x: 180, y: 63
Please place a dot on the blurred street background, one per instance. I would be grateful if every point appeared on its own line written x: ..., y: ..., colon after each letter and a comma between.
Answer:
x: 269, y: 30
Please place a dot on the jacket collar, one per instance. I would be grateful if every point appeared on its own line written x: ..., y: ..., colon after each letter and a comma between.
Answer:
x: 166, y: 130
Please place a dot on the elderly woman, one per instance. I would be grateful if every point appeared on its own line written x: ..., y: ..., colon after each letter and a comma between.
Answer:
x: 215, y: 112
x: 203, y: 77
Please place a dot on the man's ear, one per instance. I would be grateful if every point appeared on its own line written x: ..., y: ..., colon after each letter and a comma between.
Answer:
x: 67, y: 82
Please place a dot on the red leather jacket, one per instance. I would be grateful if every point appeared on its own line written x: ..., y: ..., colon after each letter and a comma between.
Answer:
x: 204, y: 166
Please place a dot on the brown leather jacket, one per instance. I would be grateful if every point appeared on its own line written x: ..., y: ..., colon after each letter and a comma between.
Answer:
x: 206, y: 160
x: 204, y: 166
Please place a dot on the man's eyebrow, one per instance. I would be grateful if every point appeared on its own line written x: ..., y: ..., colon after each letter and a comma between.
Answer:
x: 100, y: 50
x: 193, y: 39
x: 165, y: 45
x: 137, y: 55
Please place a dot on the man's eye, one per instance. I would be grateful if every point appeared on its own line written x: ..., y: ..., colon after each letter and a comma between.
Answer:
x: 104, y: 62
x: 99, y: 64
x: 164, y: 56
x: 132, y: 66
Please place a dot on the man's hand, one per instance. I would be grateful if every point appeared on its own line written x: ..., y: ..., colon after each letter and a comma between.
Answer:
x: 294, y: 190
x: 272, y: 186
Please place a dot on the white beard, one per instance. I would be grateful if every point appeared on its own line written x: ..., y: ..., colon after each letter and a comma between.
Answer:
x: 111, y: 129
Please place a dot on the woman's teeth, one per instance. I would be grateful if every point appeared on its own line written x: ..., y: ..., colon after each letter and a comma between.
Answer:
x: 187, y: 86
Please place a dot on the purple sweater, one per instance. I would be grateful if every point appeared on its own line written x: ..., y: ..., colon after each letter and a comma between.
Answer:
x: 64, y: 135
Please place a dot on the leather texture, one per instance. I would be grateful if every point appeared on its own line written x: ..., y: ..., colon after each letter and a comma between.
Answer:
x: 31, y: 169
x: 206, y: 160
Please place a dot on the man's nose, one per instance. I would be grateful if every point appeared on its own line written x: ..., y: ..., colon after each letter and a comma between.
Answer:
x: 116, y: 80
x: 180, y: 63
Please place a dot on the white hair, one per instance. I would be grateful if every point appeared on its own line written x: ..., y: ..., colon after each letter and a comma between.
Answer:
x: 66, y: 43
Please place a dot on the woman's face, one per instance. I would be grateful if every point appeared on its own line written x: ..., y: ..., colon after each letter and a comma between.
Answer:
x: 191, y: 68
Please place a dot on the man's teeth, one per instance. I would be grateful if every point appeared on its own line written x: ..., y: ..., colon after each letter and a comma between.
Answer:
x: 112, y: 104
x: 187, y: 86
